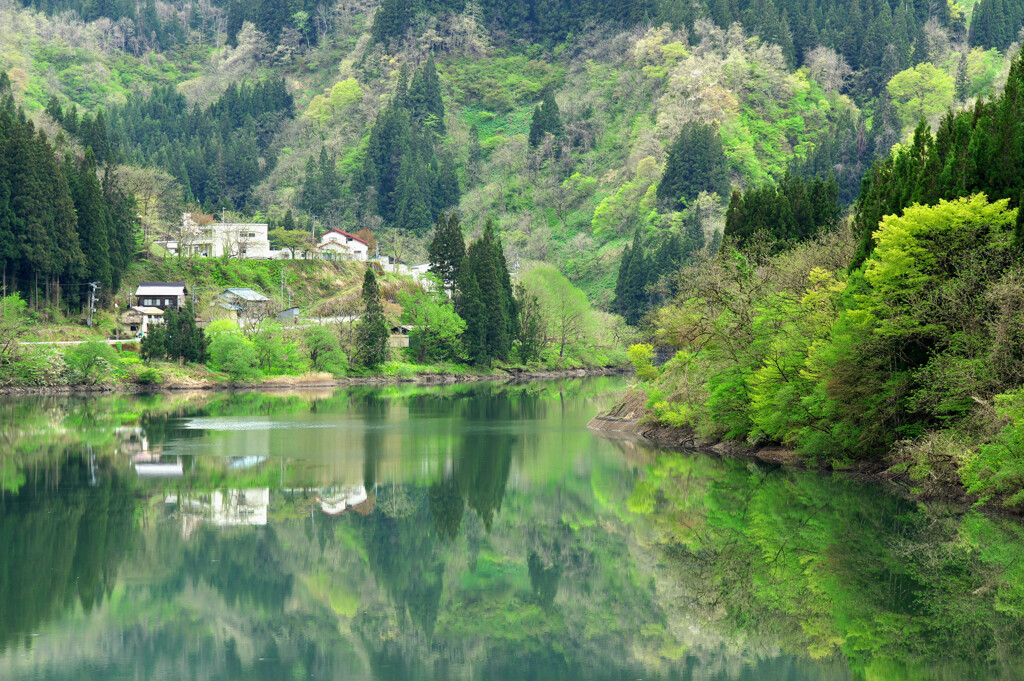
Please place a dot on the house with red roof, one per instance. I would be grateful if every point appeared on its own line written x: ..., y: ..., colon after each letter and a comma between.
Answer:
x: 338, y: 245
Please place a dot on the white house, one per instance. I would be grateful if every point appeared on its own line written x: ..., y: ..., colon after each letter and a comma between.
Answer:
x: 234, y: 239
x: 338, y: 245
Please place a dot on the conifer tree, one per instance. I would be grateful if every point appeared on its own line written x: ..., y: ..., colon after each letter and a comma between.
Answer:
x: 696, y: 162
x: 447, y: 250
x: 961, y: 79
x: 634, y: 275
x: 426, y: 106
x: 93, y: 223
x: 372, y: 328
x: 546, y: 119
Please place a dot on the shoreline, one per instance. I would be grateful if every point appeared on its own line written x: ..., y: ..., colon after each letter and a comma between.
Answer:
x: 310, y: 381
x: 629, y: 419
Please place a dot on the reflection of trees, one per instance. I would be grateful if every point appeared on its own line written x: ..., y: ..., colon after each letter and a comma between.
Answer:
x: 62, y: 541
x: 246, y: 566
x: 446, y: 507
x: 830, y: 567
x: 405, y: 558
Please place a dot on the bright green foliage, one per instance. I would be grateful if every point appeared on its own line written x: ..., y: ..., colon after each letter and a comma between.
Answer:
x: 641, y: 355
x: 90, y: 362
x: 696, y: 163
x: 324, y: 352
x: 276, y: 352
x: 997, y: 468
x: 979, y: 150
x: 436, y: 330
x: 235, y: 355
x: 921, y: 92
x: 14, y: 325
x: 372, y: 328
x: 569, y: 317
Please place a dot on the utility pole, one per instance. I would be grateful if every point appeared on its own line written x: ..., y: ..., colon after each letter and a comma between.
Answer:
x: 282, y: 286
x: 92, y: 300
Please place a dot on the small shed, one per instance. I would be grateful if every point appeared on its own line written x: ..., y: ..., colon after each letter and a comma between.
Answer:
x: 245, y: 303
x: 289, y: 315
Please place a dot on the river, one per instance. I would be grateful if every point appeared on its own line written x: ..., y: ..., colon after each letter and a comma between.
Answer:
x: 475, y: 531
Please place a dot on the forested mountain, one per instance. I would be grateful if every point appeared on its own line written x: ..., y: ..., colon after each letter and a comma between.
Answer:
x: 579, y: 128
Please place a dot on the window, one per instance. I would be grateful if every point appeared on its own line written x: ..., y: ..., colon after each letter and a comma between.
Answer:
x: 147, y: 301
x: 167, y: 302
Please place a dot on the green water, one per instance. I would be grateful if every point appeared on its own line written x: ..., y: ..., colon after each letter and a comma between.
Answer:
x: 466, y: 532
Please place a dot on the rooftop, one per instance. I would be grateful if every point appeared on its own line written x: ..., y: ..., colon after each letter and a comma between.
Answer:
x: 344, y: 234
x: 245, y: 294
x: 161, y: 288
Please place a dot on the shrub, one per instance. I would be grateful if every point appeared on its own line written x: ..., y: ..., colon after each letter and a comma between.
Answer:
x: 89, y: 361
x: 324, y: 352
x: 642, y: 357
x: 149, y: 376
x: 234, y: 355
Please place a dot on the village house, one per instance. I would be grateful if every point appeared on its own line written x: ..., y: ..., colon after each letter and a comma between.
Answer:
x: 160, y: 294
x: 232, y: 239
x: 338, y: 245
x: 247, y: 305
x: 151, y: 300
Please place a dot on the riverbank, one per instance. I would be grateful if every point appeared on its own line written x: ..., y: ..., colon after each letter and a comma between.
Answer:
x: 189, y: 381
x: 632, y: 418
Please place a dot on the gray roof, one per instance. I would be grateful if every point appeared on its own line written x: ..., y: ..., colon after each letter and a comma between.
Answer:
x: 161, y: 288
x: 244, y: 294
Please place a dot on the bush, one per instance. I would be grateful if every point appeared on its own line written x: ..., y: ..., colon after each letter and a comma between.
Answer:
x: 324, y: 352
x: 235, y: 355
x: 997, y: 469
x: 149, y: 376
x: 642, y: 357
x: 88, y: 362
x: 276, y: 353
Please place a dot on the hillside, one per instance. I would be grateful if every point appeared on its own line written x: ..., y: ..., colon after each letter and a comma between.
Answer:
x: 448, y: 93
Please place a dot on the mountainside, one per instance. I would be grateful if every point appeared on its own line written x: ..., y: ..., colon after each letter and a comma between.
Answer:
x: 557, y: 119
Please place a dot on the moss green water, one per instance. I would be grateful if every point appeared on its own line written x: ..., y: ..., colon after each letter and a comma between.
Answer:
x: 466, y: 532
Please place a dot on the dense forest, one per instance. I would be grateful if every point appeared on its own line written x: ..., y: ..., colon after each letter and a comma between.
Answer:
x: 62, y: 225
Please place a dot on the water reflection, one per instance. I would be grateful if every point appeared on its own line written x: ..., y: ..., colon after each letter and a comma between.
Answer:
x: 472, y: 532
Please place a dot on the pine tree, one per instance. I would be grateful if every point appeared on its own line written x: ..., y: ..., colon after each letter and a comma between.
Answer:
x: 631, y: 288
x: 696, y: 162
x: 93, y: 224
x: 546, y: 119
x: 447, y: 250
x: 391, y: 20
x: 961, y: 79
x: 372, y: 328
x: 424, y: 101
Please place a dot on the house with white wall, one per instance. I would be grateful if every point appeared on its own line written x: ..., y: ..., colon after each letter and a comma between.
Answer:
x: 338, y: 245
x: 233, y: 239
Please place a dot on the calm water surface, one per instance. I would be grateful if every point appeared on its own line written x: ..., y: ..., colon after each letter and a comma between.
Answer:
x: 466, y: 532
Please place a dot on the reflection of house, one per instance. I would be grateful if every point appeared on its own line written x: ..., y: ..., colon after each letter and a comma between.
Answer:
x: 245, y: 303
x: 148, y: 465
x: 232, y: 239
x: 336, y: 500
x: 338, y: 245
x: 228, y: 508
x: 131, y: 440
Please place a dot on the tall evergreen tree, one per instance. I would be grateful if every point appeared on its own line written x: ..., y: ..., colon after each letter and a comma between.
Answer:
x: 372, y: 328
x: 424, y: 99
x: 546, y: 119
x: 696, y: 162
x: 447, y: 250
